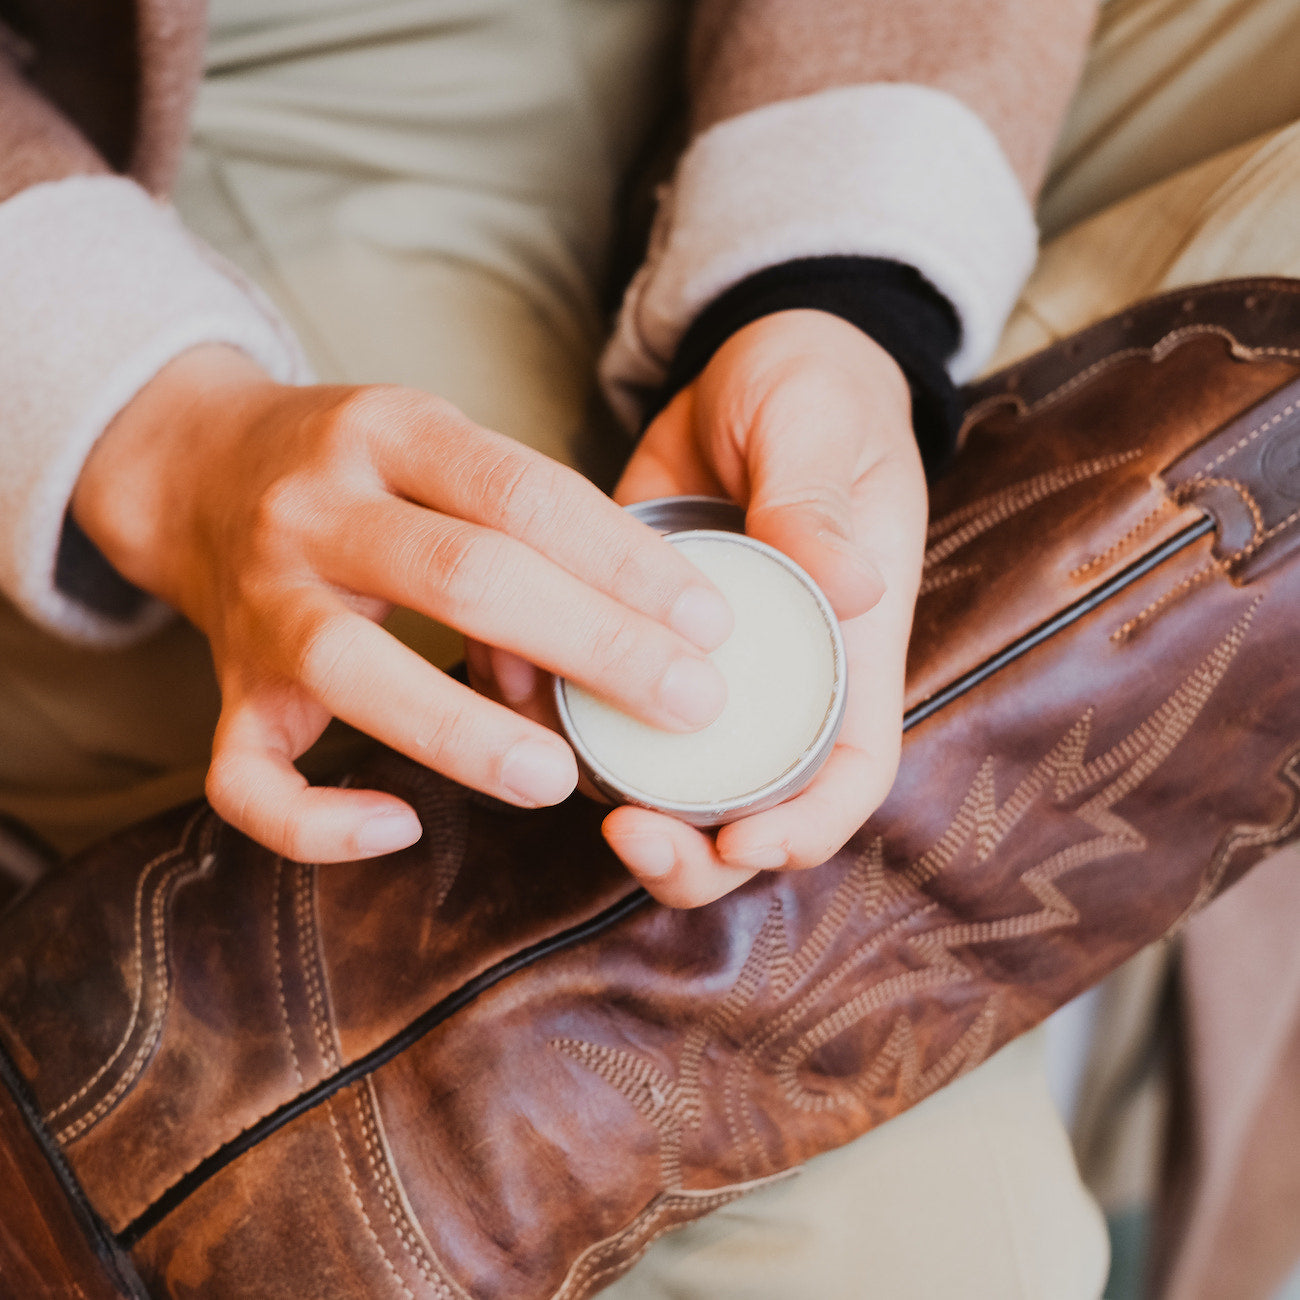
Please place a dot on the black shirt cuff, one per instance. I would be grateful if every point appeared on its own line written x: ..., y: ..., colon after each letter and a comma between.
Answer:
x: 81, y: 573
x: 891, y: 302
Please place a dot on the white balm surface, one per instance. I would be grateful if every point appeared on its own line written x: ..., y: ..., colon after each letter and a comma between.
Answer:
x: 779, y: 666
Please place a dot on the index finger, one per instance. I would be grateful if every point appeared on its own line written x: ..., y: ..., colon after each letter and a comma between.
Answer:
x: 488, y: 479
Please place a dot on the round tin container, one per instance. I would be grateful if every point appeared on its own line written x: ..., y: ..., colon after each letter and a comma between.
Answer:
x: 711, y: 527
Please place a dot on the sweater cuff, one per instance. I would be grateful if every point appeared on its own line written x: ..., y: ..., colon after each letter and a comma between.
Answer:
x: 102, y: 287
x: 904, y: 173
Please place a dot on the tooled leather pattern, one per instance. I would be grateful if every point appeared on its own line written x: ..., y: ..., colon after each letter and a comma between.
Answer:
x: 777, y: 1042
x: 376, y: 1194
x: 373, y: 1184
x: 190, y: 858
x: 960, y: 527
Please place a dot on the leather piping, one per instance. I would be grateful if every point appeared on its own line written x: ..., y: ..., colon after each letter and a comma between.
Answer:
x: 117, y: 1264
x: 189, y: 1183
x: 1070, y: 614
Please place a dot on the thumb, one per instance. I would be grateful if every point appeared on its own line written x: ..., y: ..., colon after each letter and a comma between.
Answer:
x: 667, y: 462
x: 803, y: 471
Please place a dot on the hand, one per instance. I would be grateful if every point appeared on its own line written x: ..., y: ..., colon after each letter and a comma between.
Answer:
x: 805, y: 421
x: 285, y: 522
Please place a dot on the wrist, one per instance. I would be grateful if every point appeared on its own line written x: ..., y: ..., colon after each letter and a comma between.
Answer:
x: 888, y: 302
x: 141, y: 487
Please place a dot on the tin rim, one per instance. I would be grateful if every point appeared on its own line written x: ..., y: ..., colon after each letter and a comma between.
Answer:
x: 787, y: 782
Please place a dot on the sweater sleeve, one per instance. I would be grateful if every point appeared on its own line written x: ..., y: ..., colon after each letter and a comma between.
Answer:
x: 103, y: 286
x: 854, y: 129
x: 895, y: 172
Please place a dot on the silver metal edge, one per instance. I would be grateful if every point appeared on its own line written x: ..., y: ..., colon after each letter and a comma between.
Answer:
x: 780, y: 788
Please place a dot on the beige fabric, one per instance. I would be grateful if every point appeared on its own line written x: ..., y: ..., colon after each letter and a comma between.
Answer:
x: 1239, y: 1233
x: 457, y: 247
x: 1168, y: 84
x: 1165, y: 81
x: 466, y: 265
x: 965, y: 1197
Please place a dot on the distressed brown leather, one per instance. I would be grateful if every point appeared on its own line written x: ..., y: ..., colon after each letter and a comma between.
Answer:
x: 488, y: 1067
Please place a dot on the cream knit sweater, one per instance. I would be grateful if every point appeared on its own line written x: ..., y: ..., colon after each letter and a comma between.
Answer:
x: 916, y: 132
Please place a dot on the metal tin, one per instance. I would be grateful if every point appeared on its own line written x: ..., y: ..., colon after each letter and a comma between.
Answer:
x: 695, y: 516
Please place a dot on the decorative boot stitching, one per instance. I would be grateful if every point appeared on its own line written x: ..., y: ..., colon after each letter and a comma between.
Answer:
x: 285, y: 1022
x: 400, y: 1214
x: 360, y: 1204
x: 1156, y: 352
x: 947, y: 577
x: 1141, y: 529
x: 1066, y: 775
x: 183, y: 869
x: 959, y: 528
x: 1126, y: 630
x: 1271, y: 423
x: 902, y: 1057
x: 230, y: 1148
x: 312, y: 967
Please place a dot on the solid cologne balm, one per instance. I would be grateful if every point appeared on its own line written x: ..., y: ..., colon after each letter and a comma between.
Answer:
x: 785, y: 672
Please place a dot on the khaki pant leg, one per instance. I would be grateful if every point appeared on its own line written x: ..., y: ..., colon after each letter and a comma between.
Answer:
x: 1204, y: 85
x: 1169, y: 83
x: 424, y: 191
x: 971, y: 1194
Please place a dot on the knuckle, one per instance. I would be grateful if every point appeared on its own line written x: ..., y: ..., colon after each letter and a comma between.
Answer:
x: 280, y: 511
x: 321, y: 652
x: 293, y: 839
x: 366, y: 408
x: 616, y: 646
x: 457, y: 566
x: 516, y: 493
x: 382, y: 413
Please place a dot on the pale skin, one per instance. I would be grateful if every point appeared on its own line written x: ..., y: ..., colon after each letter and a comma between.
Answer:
x: 285, y: 522
x: 805, y: 421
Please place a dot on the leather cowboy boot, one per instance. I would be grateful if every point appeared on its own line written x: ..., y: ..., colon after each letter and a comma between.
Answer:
x: 490, y: 1067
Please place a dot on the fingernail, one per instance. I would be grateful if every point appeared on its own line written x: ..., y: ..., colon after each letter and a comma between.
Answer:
x: 537, y: 774
x: 387, y: 832
x: 693, y: 691
x: 651, y: 856
x: 703, y: 617
x: 768, y: 857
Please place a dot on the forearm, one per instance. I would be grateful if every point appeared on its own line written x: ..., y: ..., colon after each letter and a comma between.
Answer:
x: 1014, y: 63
